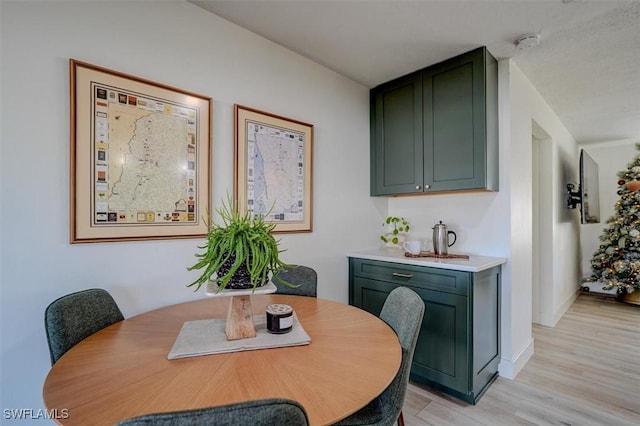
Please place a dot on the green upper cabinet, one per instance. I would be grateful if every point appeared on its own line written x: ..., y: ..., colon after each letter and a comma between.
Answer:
x: 437, y: 129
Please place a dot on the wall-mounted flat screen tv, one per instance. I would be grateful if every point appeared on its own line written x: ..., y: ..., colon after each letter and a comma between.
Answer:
x: 588, y: 194
x: 589, y: 191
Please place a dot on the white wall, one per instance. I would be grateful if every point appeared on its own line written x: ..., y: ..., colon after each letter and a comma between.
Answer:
x: 612, y: 157
x: 531, y: 108
x: 500, y: 223
x: 178, y: 44
x: 528, y: 110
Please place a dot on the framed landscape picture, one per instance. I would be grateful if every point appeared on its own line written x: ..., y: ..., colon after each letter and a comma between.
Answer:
x: 273, y: 167
x: 140, y: 158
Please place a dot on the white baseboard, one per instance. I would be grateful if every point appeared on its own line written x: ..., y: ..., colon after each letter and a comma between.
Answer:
x: 509, y: 369
x: 550, y: 319
x: 564, y: 308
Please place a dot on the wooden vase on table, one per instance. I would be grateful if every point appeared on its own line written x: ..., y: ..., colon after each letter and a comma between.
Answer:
x: 239, y: 323
x: 240, y: 319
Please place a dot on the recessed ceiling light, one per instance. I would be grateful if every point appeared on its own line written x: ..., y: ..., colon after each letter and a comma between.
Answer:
x: 528, y: 41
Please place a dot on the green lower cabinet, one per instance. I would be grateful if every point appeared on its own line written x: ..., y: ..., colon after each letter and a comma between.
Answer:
x: 458, y: 347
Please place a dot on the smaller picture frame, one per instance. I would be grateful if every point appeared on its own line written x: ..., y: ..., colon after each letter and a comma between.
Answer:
x: 274, y: 169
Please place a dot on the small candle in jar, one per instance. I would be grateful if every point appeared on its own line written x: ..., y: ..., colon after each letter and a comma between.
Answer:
x: 279, y: 318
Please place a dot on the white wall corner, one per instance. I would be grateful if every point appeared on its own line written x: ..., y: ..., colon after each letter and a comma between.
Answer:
x: 550, y: 319
x: 509, y: 368
x: 562, y: 309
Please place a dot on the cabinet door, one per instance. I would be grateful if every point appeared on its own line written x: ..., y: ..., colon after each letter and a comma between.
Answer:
x: 370, y: 295
x: 396, y: 136
x: 455, y: 124
x: 442, y: 351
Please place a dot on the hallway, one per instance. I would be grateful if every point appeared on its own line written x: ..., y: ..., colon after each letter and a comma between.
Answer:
x: 584, y: 371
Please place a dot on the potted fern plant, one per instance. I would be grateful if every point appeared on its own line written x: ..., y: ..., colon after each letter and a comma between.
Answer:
x: 240, y: 253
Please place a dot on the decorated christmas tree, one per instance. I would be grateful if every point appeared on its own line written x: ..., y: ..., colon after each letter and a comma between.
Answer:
x: 616, y: 263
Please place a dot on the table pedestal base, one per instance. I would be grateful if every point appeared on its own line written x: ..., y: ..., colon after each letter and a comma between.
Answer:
x: 240, y: 319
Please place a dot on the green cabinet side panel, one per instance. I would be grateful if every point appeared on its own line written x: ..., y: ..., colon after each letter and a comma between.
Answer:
x: 486, y: 320
x: 491, y: 110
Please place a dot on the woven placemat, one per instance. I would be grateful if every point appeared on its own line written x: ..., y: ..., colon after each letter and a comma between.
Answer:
x: 437, y: 256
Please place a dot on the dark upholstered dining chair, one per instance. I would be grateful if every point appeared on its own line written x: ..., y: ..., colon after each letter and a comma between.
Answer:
x: 74, y: 317
x: 264, y: 412
x: 403, y: 310
x: 304, y: 277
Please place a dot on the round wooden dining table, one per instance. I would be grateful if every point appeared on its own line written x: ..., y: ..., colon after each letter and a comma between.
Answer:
x: 122, y: 371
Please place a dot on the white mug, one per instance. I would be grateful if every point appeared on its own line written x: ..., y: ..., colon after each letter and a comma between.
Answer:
x: 413, y: 246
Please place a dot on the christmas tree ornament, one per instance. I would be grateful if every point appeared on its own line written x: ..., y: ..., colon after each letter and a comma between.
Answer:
x: 633, y: 185
x: 621, y: 182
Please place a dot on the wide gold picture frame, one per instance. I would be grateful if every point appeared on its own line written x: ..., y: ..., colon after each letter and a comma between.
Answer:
x: 274, y: 169
x: 140, y: 158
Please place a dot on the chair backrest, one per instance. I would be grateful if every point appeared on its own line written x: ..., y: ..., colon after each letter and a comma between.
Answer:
x: 264, y: 412
x: 74, y: 317
x: 403, y: 310
x: 304, y: 277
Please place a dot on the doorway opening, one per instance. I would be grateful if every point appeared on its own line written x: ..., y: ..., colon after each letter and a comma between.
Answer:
x: 542, y: 226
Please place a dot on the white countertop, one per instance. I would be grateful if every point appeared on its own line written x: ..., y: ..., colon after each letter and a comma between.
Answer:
x: 473, y: 264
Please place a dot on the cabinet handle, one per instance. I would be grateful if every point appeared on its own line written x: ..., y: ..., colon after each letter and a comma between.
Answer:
x: 418, y: 187
x: 427, y: 186
x: 398, y: 274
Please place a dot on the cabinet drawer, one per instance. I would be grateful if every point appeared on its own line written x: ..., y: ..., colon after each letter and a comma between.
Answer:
x: 457, y: 282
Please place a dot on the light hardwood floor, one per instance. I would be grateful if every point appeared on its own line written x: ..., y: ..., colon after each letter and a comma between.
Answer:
x: 584, y: 371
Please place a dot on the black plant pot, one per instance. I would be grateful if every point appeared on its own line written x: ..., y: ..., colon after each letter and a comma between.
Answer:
x: 241, y: 278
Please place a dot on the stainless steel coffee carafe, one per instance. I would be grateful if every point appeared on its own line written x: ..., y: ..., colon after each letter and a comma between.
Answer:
x: 441, y: 238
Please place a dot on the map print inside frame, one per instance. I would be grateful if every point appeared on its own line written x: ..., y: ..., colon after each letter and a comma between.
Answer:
x: 274, y: 168
x: 140, y: 158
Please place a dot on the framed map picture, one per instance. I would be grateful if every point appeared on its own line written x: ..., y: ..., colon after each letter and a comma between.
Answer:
x: 140, y: 158
x: 273, y: 159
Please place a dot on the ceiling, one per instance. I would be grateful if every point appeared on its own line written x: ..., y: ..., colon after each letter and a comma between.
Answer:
x: 586, y: 66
